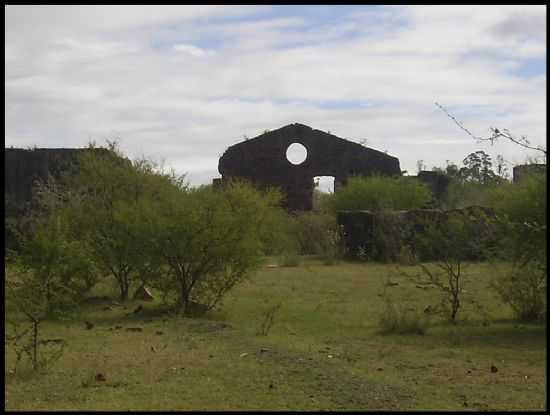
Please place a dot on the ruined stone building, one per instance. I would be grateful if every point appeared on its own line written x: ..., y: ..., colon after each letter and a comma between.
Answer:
x: 263, y: 161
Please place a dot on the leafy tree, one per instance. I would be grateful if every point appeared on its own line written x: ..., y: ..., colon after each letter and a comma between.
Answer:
x: 108, y: 201
x: 211, y: 238
x: 378, y: 193
x: 478, y: 169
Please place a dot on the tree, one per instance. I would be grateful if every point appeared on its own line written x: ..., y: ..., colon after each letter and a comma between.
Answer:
x: 211, y: 238
x: 106, y: 202
x: 478, y: 169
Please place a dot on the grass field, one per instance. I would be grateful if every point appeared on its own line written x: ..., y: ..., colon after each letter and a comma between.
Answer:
x: 324, y: 351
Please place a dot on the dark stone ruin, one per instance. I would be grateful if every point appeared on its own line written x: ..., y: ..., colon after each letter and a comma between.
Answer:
x: 262, y: 160
x: 22, y: 169
x: 526, y: 169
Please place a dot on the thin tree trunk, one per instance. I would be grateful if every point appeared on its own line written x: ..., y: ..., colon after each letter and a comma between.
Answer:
x: 35, y: 346
x: 123, y: 284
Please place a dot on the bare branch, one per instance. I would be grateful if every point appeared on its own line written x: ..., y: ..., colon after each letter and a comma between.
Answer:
x: 495, y: 134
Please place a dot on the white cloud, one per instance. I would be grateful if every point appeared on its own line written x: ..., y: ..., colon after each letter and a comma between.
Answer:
x: 193, y: 50
x: 170, y: 80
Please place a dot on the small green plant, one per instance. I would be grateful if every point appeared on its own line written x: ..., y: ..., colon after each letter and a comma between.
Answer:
x: 267, y: 320
x: 398, y: 319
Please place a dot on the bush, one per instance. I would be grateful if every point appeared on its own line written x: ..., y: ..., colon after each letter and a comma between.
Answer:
x: 524, y: 289
x: 49, y: 259
x: 210, y: 238
x: 401, y: 320
x: 387, y: 238
x: 378, y: 193
x: 318, y: 234
x: 462, y: 194
x: 521, y: 210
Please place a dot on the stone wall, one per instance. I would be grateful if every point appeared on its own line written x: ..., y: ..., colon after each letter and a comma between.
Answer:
x: 22, y: 168
x: 380, y: 236
x: 524, y: 170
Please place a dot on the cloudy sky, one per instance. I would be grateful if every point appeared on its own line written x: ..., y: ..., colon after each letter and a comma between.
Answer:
x: 182, y: 83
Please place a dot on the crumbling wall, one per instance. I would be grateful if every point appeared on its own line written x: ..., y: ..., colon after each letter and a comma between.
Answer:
x: 525, y: 169
x: 381, y: 235
x: 22, y: 169
x: 262, y: 160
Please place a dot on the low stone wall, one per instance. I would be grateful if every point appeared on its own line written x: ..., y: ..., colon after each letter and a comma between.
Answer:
x: 381, y: 236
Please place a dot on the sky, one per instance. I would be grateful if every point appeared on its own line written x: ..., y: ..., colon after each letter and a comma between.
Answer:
x: 179, y: 84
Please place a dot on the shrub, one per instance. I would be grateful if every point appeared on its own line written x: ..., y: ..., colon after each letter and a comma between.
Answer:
x: 377, y: 193
x: 397, y: 319
x: 387, y: 238
x: 318, y: 234
x: 463, y: 194
x: 521, y: 210
x: 524, y: 289
x: 210, y: 238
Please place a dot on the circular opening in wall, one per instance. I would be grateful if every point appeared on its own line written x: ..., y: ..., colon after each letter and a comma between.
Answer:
x: 296, y: 153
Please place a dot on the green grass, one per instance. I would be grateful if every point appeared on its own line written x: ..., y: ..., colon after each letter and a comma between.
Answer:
x: 324, y: 350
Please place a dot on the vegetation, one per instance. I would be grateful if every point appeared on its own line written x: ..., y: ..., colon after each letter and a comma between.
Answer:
x: 522, y: 235
x: 400, y: 319
x: 473, y: 184
x: 450, y: 243
x: 138, y: 224
x: 378, y: 193
x: 210, y: 239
